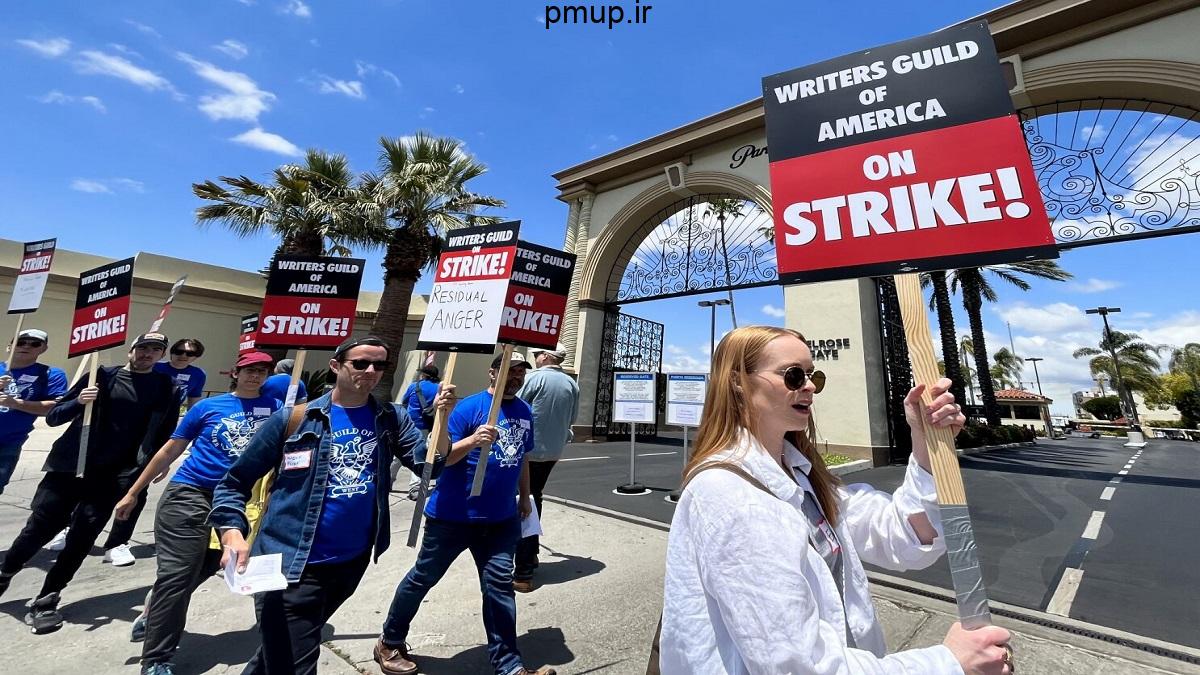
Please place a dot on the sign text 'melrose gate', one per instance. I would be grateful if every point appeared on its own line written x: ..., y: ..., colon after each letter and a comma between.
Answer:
x: 310, y: 302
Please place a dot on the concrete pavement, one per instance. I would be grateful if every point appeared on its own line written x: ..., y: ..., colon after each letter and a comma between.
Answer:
x: 594, y: 612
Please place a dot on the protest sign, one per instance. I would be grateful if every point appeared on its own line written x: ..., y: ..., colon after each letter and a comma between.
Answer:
x: 685, y: 398
x: 249, y: 329
x: 633, y: 402
x: 101, y: 317
x: 470, y: 286
x: 861, y: 179
x: 162, y: 314
x: 31, y: 277
x: 310, y: 302
x: 537, y: 296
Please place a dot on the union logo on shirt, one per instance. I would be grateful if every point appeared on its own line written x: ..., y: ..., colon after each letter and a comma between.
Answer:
x: 510, y: 442
x: 351, y: 454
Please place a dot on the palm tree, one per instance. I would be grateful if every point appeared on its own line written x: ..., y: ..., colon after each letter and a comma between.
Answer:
x: 419, y: 193
x: 1186, y: 360
x: 1007, y: 371
x: 722, y: 208
x: 975, y: 289
x: 964, y: 348
x: 1139, y: 363
x: 940, y: 301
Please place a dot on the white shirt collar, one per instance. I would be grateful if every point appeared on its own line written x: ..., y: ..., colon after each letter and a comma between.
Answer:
x: 755, y: 459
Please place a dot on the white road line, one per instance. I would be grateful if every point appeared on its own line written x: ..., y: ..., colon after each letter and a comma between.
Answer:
x: 1123, y: 472
x: 1092, y: 531
x: 1108, y: 493
x: 580, y: 459
x: 1116, y: 480
x: 1129, y: 465
x: 1064, y: 595
x: 655, y: 454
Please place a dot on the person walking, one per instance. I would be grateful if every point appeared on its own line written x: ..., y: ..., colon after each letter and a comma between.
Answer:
x: 328, y: 512
x: 134, y: 413
x: 418, y: 401
x: 554, y: 398
x: 489, y: 525
x: 764, y: 570
x: 27, y: 391
x: 277, y: 385
x: 219, y: 429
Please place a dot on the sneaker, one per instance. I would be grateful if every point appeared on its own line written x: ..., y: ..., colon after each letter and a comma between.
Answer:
x: 59, y: 542
x: 414, y: 492
x: 119, y: 556
x: 523, y: 585
x: 157, y: 669
x: 138, y: 634
x: 394, y: 660
x: 43, y: 616
x: 544, y: 670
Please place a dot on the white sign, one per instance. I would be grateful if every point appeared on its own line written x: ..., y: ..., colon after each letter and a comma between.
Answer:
x: 685, y: 398
x: 633, y: 397
x: 32, y: 276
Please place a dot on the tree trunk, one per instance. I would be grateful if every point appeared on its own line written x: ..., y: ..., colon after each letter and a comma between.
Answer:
x: 945, y: 314
x: 973, y: 303
x: 390, y: 322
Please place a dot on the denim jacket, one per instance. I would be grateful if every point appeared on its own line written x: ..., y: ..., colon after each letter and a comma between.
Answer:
x: 297, y: 494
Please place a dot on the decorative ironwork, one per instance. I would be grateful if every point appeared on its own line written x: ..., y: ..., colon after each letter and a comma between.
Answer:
x: 630, y: 344
x: 1113, y: 170
x: 697, y: 245
x: 897, y: 369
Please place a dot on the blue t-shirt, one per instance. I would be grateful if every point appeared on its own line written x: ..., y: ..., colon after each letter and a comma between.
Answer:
x: 28, y: 384
x: 497, y: 501
x: 412, y: 402
x: 276, y: 386
x: 191, y: 378
x: 348, y: 512
x: 219, y: 428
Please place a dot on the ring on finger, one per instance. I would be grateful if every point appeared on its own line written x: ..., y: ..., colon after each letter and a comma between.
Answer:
x: 1008, y: 658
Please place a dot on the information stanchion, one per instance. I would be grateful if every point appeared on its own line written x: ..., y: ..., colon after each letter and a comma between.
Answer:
x: 685, y: 407
x: 633, y: 403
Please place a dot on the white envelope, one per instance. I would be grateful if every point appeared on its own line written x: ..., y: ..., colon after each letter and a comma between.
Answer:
x: 263, y: 573
x: 531, y: 524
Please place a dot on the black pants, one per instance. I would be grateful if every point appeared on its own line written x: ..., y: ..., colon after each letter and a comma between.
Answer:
x: 122, y: 530
x: 290, y: 621
x: 527, y: 548
x: 61, y: 500
x: 185, y: 561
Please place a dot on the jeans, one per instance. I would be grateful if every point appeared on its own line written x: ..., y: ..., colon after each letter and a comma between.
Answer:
x: 290, y: 621
x: 122, y: 530
x: 9, y: 455
x: 492, y: 546
x: 181, y: 538
x: 527, y: 549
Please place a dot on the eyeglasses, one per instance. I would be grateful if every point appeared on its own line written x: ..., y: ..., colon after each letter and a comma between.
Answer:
x: 30, y: 343
x: 184, y: 352
x: 363, y: 364
x: 794, y: 378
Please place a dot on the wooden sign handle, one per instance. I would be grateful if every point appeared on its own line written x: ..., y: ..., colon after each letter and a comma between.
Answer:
x: 86, y: 432
x: 12, y: 350
x: 438, y: 436
x: 293, y: 390
x: 493, y: 417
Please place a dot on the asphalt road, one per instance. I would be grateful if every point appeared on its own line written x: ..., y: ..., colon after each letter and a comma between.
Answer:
x: 1052, y: 535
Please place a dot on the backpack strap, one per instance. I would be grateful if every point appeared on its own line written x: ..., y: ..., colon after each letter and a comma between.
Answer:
x: 295, y: 419
x: 731, y: 468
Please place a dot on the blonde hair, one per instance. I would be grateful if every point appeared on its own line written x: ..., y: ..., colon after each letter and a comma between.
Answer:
x: 727, y: 412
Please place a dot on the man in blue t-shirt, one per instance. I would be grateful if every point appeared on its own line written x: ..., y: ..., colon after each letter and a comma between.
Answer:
x: 27, y: 392
x: 488, y: 525
x: 276, y: 385
x: 179, y: 366
x: 417, y: 399
x: 219, y: 429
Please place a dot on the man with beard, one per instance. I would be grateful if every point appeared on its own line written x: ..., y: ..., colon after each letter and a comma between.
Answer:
x: 27, y: 391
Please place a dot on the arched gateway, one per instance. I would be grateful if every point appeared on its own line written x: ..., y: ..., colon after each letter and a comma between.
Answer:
x: 1108, y: 93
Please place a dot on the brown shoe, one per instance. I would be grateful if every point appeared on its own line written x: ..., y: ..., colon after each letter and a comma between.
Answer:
x: 394, y: 660
x: 523, y: 585
x: 544, y: 670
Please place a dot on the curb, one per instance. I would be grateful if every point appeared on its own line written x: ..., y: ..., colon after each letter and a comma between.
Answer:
x: 850, y: 467
x: 985, y: 448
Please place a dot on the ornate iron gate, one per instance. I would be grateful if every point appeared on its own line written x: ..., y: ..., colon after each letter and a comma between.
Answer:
x: 897, y: 370
x: 631, y: 344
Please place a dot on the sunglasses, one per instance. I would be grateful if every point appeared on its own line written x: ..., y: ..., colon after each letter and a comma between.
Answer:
x: 794, y: 378
x: 363, y: 364
x: 30, y: 343
x: 184, y: 352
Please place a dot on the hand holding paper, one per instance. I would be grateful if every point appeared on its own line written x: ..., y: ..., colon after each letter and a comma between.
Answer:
x: 262, y: 573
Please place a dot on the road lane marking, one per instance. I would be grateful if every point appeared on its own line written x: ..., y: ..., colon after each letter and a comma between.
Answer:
x: 1123, y: 472
x: 1092, y: 531
x: 579, y: 459
x: 1116, y: 480
x: 654, y: 454
x: 1108, y: 493
x: 1064, y: 595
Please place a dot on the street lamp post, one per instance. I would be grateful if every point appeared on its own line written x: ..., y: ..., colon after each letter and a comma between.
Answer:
x: 1135, y: 436
x: 712, y: 331
x: 1034, y: 360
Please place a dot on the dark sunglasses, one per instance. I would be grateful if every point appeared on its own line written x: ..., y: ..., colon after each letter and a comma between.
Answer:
x: 184, y: 352
x: 794, y: 378
x: 362, y: 364
x: 30, y: 343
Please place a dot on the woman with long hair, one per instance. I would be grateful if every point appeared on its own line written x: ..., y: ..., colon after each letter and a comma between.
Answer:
x: 766, y: 550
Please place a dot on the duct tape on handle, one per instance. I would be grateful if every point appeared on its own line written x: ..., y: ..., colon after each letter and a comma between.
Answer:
x: 963, y: 556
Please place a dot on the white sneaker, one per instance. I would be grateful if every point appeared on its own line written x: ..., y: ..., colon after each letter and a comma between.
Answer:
x: 59, y: 542
x: 119, y: 556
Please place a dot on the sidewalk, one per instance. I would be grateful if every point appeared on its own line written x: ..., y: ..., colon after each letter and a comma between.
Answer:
x: 594, y: 612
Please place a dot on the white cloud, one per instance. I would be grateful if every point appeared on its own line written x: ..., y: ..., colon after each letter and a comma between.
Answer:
x: 540, y: 19
x: 683, y: 360
x: 459, y: 89
x: 148, y: 30
x: 297, y: 8
x: 351, y: 88
x: 1093, y: 285
x: 265, y: 140
x: 364, y: 69
x: 56, y: 96
x: 426, y: 112
x: 124, y: 50
x: 1055, y: 318
x: 243, y: 100
x: 92, y: 62
x: 107, y: 186
x: 233, y: 49
x: 52, y: 48
x: 772, y: 310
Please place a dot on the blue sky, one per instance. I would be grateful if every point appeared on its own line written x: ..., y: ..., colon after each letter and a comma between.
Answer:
x: 115, y: 109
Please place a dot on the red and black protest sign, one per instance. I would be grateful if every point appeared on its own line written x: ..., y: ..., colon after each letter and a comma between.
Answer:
x: 310, y: 302
x: 902, y: 158
x: 470, y: 286
x: 247, y: 336
x: 537, y: 296
x: 166, y: 308
x: 32, y: 276
x: 101, y: 316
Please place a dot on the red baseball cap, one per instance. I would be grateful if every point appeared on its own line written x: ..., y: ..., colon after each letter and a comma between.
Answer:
x: 252, y: 357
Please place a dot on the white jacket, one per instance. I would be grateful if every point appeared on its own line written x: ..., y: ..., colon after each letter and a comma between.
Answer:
x: 746, y: 593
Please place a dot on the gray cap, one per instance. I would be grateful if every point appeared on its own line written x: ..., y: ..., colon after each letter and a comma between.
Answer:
x: 285, y: 366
